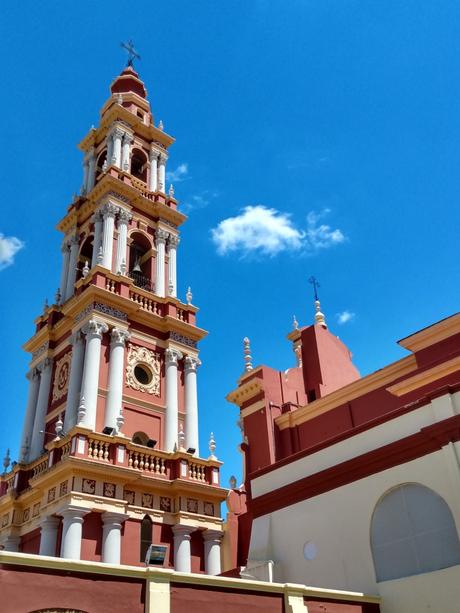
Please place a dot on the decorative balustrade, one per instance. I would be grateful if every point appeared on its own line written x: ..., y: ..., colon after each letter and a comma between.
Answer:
x: 65, y: 449
x: 138, y: 184
x: 182, y: 315
x: 150, y: 462
x: 147, y: 304
x: 40, y: 468
x: 98, y: 450
x: 197, y: 472
x: 111, y: 286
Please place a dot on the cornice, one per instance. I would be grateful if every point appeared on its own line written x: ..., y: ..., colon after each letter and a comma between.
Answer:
x: 432, y: 334
x: 425, y: 378
x: 245, y: 391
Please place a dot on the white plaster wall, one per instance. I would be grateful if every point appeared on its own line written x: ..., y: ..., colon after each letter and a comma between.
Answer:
x: 338, y: 523
x: 388, y: 432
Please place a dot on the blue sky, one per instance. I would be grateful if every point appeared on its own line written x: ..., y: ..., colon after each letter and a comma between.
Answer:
x: 313, y: 137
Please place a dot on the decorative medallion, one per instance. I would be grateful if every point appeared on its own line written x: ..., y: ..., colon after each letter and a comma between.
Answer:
x: 89, y: 486
x: 147, y: 500
x: 165, y: 504
x: 61, y: 376
x: 192, y: 505
x: 36, y: 509
x: 51, y: 494
x: 129, y: 496
x: 26, y: 516
x: 109, y: 490
x: 143, y: 370
x: 208, y: 508
x: 63, y: 488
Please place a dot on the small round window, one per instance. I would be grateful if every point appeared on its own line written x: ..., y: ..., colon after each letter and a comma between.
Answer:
x: 143, y: 374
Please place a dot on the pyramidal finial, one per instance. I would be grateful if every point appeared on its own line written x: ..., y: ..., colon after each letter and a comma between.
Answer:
x: 212, y: 447
x: 295, y: 323
x: 189, y: 295
x: 319, y: 316
x: 247, y: 354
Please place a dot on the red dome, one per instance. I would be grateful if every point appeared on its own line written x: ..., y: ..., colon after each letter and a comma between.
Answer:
x: 129, y: 81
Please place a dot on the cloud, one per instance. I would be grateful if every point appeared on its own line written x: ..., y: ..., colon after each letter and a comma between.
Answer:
x: 198, y: 201
x: 260, y: 230
x: 9, y: 246
x: 344, y: 317
x: 257, y: 229
x: 178, y: 175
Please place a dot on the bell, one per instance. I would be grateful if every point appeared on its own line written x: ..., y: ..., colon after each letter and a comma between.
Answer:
x: 137, y: 265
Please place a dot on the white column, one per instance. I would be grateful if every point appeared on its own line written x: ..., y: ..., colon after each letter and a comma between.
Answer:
x: 84, y: 187
x: 90, y: 383
x: 111, y: 537
x: 172, y: 269
x: 124, y: 218
x: 109, y: 149
x: 171, y: 423
x: 12, y: 543
x: 65, y: 250
x: 116, y: 155
x: 34, y: 385
x: 182, y: 557
x: 38, y: 435
x: 162, y: 173
x: 212, y: 539
x: 48, y: 535
x: 72, y: 274
x: 126, y: 152
x: 119, y: 336
x: 91, y: 169
x: 72, y: 525
x: 160, y: 280
x: 109, y: 211
x: 153, y: 178
x: 76, y: 372
x: 191, y: 403
x: 97, y: 218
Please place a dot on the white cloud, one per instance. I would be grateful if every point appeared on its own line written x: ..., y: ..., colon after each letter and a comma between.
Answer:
x: 198, y: 201
x: 9, y: 246
x: 260, y: 230
x: 344, y: 317
x: 178, y: 175
x: 257, y: 229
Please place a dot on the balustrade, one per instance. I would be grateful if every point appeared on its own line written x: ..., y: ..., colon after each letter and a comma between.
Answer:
x: 147, y: 304
x: 40, y: 468
x: 150, y: 462
x: 98, y: 450
x: 111, y: 286
x: 197, y: 472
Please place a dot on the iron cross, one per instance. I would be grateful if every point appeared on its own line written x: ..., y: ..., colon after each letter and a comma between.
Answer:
x: 315, y: 284
x: 131, y: 51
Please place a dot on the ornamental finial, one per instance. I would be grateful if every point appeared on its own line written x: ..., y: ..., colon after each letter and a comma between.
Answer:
x: 295, y: 323
x: 161, y: 126
x: 247, y: 354
x: 57, y: 297
x: 59, y: 426
x: 81, y: 410
x: 319, y: 317
x: 181, y: 439
x: 120, y: 420
x: 212, y: 447
x: 85, y: 271
x: 171, y: 190
x: 189, y: 295
x: 6, y: 460
x: 100, y: 255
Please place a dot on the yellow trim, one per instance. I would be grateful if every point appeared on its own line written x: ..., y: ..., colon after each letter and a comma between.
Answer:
x: 348, y: 392
x: 433, y: 334
x: 425, y: 377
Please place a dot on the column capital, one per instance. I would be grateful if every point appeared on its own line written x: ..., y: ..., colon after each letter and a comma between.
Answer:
x: 95, y: 328
x: 162, y: 235
x: 213, y: 535
x: 77, y: 337
x: 124, y: 216
x: 191, y: 363
x: 65, y: 246
x: 128, y: 138
x: 162, y: 158
x: 153, y: 154
x: 117, y: 132
x: 119, y: 336
x: 33, y: 374
x: 74, y: 239
x: 183, y: 531
x: 47, y: 364
x: 50, y: 522
x: 74, y: 512
x: 110, y: 518
x: 173, y: 241
x: 97, y: 216
x: 172, y: 356
x: 109, y: 210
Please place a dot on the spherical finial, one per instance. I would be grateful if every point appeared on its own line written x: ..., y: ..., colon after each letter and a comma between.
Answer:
x: 295, y: 323
x: 181, y: 439
x: 160, y: 126
x: 59, y: 426
x: 212, y: 447
x: 171, y: 190
x: 85, y: 271
x: 189, y: 296
x: 247, y: 354
x: 319, y: 317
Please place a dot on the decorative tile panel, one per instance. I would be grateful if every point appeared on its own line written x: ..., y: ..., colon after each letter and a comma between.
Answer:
x: 88, y: 486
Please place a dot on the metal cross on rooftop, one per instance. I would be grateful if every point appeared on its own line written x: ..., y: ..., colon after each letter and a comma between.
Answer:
x: 131, y: 51
x: 315, y: 284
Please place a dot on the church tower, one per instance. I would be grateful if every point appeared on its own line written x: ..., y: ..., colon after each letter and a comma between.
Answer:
x: 109, y: 459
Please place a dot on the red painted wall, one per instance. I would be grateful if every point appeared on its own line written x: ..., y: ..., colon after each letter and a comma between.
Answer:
x: 91, y: 542
x: 30, y: 542
x: 186, y: 599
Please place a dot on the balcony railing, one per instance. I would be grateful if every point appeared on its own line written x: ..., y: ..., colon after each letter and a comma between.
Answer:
x: 141, y: 281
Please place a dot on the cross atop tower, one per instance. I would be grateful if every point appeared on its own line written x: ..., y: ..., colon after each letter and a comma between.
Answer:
x: 131, y: 51
x: 315, y: 284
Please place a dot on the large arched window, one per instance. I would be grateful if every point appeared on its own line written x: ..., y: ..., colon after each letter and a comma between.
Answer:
x: 140, y: 261
x: 139, y: 165
x: 146, y: 536
x: 412, y: 532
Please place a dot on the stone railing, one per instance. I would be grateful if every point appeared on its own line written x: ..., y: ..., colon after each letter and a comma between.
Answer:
x: 138, y: 184
x: 147, y: 461
x: 197, y: 472
x: 98, y: 449
x: 65, y: 449
x: 182, y: 314
x: 40, y: 468
x: 146, y: 303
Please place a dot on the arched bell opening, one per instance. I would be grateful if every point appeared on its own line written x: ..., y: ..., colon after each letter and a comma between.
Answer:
x: 85, y: 256
x: 101, y: 160
x: 139, y: 165
x: 140, y: 264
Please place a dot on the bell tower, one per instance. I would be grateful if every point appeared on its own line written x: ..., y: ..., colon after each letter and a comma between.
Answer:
x: 109, y: 460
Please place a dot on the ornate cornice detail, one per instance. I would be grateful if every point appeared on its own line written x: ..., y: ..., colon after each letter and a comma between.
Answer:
x: 95, y: 328
x: 124, y: 216
x: 107, y: 310
x: 36, y: 354
x: 173, y: 241
x: 140, y: 356
x: 162, y: 235
x: 180, y: 338
x: 119, y: 336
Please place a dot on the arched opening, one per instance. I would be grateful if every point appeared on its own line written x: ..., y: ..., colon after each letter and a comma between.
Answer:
x: 85, y: 256
x: 412, y: 532
x: 102, y: 157
x: 146, y: 536
x: 139, y: 165
x: 140, y: 261
x: 140, y: 438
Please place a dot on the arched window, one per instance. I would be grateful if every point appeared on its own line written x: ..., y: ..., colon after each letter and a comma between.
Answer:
x: 100, y: 161
x: 85, y: 255
x: 140, y: 438
x: 412, y: 532
x: 140, y: 261
x: 146, y: 536
x: 139, y: 165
